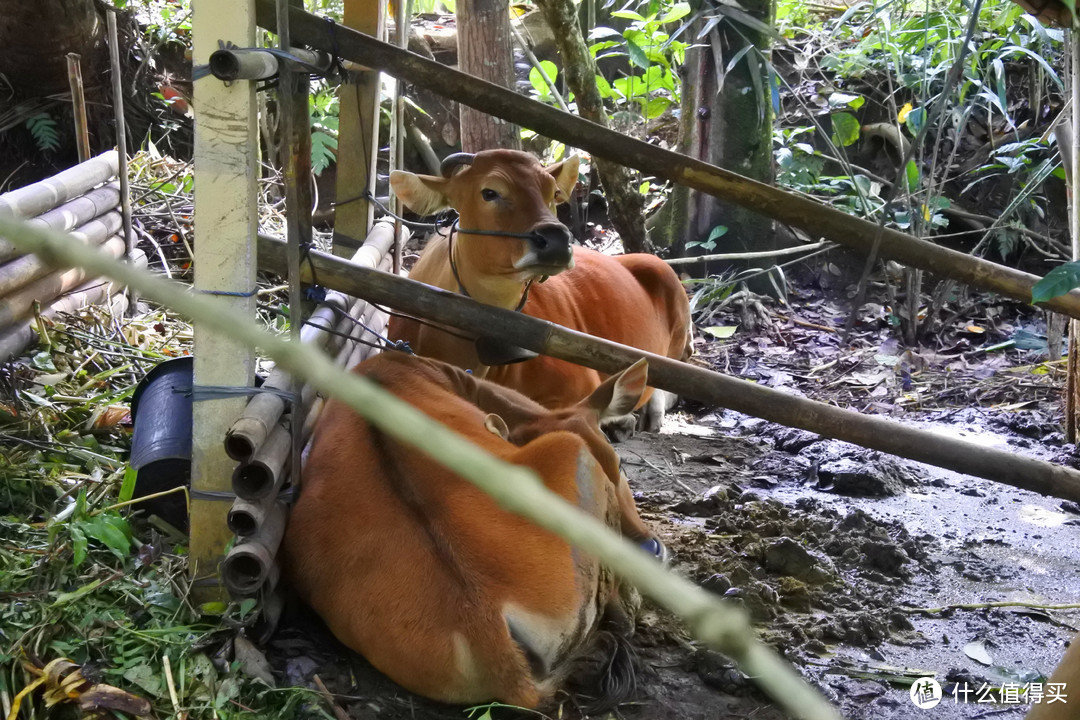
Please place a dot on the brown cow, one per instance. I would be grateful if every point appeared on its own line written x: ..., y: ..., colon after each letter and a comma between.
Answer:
x: 437, y: 586
x: 632, y: 299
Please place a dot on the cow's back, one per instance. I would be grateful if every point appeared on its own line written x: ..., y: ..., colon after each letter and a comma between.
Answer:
x: 635, y: 300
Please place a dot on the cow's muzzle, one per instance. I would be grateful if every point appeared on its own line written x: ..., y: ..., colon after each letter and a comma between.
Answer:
x: 548, y: 246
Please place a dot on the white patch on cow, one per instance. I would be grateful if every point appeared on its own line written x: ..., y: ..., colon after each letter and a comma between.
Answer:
x: 529, y: 259
x: 472, y: 680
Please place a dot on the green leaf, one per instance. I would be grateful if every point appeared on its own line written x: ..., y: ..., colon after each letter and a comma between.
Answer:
x: 915, y: 120
x: 677, y: 11
x: 604, y: 87
x: 65, y: 598
x: 323, y: 147
x: 845, y: 129
x: 637, y: 55
x: 213, y: 608
x: 146, y: 679
x: 854, y: 102
x: 721, y: 332
x: 644, y: 187
x: 110, y: 530
x: 656, y: 107
x: 1057, y: 282
x: 78, y: 545
x: 911, y: 171
x: 537, y: 80
x: 628, y: 15
x: 127, y: 488
x: 717, y: 232
x: 601, y: 31
x: 247, y: 605
x: 43, y: 361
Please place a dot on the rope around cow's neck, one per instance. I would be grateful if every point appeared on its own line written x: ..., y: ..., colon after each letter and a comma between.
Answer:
x: 438, y: 227
x: 453, y: 263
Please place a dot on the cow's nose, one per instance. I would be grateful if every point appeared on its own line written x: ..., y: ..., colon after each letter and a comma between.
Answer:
x: 551, y: 243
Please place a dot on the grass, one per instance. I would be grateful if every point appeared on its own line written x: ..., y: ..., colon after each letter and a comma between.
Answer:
x: 97, y: 585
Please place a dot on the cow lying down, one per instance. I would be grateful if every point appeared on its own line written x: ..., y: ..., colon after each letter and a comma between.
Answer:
x: 437, y: 586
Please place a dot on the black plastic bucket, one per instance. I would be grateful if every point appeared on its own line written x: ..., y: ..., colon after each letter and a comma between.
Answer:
x: 161, y: 444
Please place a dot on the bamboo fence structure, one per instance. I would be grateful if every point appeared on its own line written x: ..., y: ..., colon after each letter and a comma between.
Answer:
x: 84, y: 203
x: 342, y: 328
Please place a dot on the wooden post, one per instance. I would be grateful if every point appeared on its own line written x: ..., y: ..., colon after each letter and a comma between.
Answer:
x: 78, y: 102
x: 293, y: 90
x: 225, y: 263
x: 358, y: 132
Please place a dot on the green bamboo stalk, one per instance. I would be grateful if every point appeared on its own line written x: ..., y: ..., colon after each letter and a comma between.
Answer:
x: 714, y: 623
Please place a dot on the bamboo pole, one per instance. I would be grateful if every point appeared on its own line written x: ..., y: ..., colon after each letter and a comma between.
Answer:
x: 116, y: 78
x: 70, y: 215
x: 78, y: 102
x: 787, y: 207
x: 80, y: 210
x: 28, y: 268
x: 226, y: 220
x: 33, y: 200
x: 19, y: 305
x: 711, y: 388
x: 17, y: 339
x: 710, y: 620
x: 293, y: 91
x: 263, y: 473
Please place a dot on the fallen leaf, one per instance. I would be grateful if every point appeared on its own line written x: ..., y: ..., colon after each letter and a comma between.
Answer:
x: 977, y: 651
x: 721, y: 332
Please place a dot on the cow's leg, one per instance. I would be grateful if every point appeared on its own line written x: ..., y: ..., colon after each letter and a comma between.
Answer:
x: 651, y: 416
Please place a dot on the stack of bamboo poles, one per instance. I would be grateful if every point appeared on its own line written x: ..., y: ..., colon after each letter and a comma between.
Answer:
x: 83, y: 201
x: 260, y: 438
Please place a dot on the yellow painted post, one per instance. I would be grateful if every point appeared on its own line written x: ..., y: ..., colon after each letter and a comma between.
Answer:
x: 225, y: 263
x: 358, y: 132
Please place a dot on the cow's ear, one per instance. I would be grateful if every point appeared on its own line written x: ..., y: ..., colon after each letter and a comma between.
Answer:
x: 497, y: 426
x: 566, y: 177
x: 423, y: 194
x: 621, y: 393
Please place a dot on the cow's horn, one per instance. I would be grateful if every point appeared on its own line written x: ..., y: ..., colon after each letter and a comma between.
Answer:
x: 452, y: 161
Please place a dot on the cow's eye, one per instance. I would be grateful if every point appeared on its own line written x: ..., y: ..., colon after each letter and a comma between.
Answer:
x: 489, y: 195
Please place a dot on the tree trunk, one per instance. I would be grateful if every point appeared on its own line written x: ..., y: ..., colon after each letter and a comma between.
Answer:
x: 35, y: 36
x: 726, y: 121
x: 625, y: 203
x: 485, y: 51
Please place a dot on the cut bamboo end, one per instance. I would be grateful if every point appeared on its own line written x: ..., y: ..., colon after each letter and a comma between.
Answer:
x: 249, y: 565
x: 246, y: 568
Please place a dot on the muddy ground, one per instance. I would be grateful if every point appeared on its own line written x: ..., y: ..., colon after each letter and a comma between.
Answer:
x: 847, y: 559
